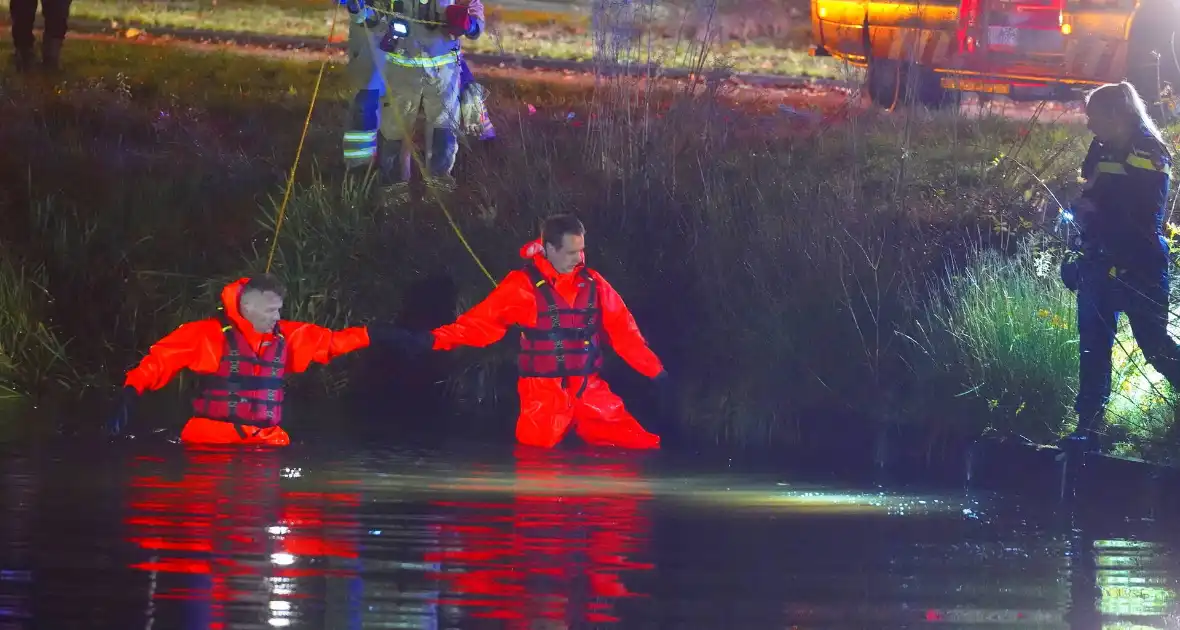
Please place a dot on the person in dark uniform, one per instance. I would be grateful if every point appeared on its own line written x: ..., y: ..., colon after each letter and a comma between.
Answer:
x: 23, y: 13
x: 1122, y: 260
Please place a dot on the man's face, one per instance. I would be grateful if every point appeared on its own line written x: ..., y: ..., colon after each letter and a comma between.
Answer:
x: 261, y: 309
x: 569, y: 255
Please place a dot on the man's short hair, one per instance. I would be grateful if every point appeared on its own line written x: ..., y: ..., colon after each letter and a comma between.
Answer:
x: 554, y: 229
x: 265, y: 283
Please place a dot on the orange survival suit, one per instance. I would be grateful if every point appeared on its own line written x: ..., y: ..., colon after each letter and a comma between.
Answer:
x: 241, y: 398
x: 563, y: 317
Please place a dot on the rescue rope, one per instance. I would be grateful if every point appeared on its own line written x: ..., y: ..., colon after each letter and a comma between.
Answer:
x: 274, y: 241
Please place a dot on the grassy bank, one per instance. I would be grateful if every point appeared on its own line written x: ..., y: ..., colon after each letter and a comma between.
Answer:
x: 772, y: 39
x: 803, y: 282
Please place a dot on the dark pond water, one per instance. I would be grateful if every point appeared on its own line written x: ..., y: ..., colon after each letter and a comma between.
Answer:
x: 327, y: 536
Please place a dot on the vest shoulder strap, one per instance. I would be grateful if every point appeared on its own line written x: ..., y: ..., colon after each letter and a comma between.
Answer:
x: 235, y: 349
x: 534, y: 274
x: 542, y: 287
x: 592, y: 298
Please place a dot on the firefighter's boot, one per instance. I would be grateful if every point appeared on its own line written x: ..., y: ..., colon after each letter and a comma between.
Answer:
x: 1087, y: 436
x: 51, y: 54
x: 392, y: 188
x: 23, y: 59
x: 390, y: 196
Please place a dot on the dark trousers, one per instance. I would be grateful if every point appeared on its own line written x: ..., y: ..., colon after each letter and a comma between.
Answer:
x: 1143, y: 295
x: 24, y: 12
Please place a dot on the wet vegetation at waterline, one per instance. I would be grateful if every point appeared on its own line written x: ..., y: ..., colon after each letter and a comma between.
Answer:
x: 832, y: 276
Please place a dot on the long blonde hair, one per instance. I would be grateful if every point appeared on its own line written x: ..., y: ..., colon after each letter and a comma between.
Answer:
x: 1122, y: 101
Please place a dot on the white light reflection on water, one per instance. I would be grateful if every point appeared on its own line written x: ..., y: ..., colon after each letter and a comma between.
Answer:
x: 1132, y: 582
x: 705, y: 490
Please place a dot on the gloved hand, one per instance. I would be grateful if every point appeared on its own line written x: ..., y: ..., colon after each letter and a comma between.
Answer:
x: 458, y: 20
x: 667, y: 402
x: 122, y: 416
x: 407, y: 341
x: 1070, y: 273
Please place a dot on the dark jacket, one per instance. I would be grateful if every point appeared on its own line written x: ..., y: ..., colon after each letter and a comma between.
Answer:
x: 1129, y: 189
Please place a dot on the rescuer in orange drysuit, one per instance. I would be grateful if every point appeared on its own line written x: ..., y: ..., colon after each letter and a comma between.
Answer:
x: 243, y: 354
x: 564, y: 309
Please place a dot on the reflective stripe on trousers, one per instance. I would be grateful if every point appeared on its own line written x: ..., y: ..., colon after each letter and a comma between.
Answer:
x: 360, y: 139
x: 360, y: 147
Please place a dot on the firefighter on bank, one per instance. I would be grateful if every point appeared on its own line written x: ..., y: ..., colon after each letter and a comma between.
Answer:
x: 422, y: 68
x: 378, y: 25
x: 243, y: 354
x: 567, y: 312
x: 1121, y: 261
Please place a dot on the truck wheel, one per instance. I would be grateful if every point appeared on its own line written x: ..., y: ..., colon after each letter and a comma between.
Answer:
x: 885, y: 82
x: 929, y: 90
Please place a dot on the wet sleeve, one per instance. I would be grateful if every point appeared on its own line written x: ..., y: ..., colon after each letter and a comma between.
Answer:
x: 624, y: 333
x: 195, y: 345
x: 308, y: 343
x: 509, y: 304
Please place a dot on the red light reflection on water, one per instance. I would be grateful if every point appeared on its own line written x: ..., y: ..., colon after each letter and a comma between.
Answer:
x: 554, y: 556
x: 227, y: 519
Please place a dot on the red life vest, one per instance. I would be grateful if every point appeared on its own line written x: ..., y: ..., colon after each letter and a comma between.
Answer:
x: 566, y: 341
x: 247, y: 388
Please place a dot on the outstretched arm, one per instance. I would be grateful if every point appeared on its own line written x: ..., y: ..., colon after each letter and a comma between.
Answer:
x: 509, y: 304
x: 624, y: 333
x: 195, y: 345
x: 308, y: 343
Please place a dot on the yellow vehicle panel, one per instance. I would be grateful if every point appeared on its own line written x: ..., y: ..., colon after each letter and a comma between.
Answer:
x: 926, y: 33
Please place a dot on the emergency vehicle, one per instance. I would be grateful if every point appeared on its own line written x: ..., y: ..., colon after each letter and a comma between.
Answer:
x: 927, y: 51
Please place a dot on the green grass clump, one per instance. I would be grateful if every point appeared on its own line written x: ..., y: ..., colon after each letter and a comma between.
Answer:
x: 31, y: 353
x: 1002, y: 330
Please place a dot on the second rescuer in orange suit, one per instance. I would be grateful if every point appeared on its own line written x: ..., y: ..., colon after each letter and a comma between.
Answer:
x: 563, y: 308
x: 243, y: 356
